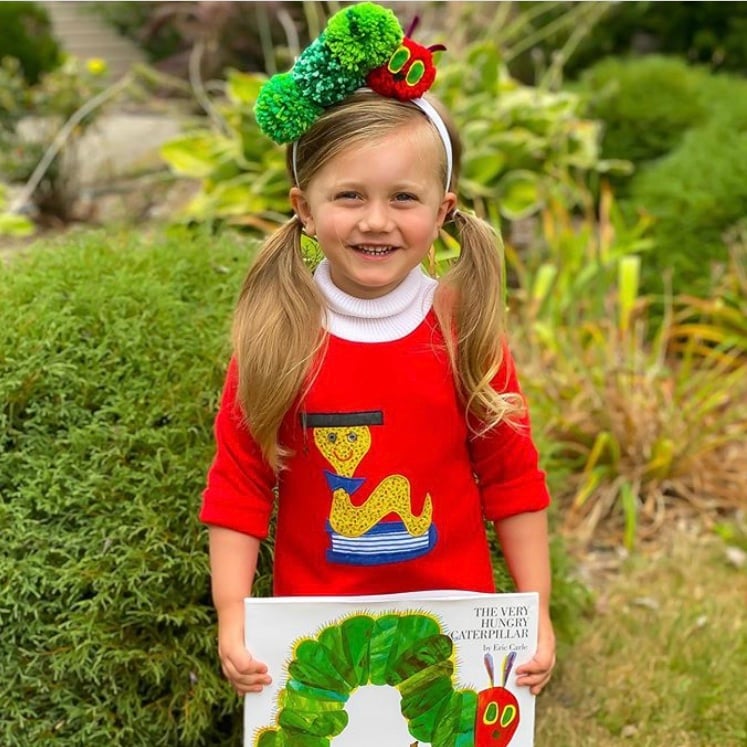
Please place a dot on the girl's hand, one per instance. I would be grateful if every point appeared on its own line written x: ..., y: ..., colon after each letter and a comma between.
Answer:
x: 535, y: 674
x: 244, y: 672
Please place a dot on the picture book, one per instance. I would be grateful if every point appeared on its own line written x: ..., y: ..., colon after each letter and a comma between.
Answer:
x: 401, y: 670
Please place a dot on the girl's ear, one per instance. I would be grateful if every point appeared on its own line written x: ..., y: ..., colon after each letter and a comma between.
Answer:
x: 448, y: 204
x: 301, y: 208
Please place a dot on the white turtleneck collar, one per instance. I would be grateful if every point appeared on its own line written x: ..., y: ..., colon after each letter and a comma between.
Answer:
x: 382, y: 319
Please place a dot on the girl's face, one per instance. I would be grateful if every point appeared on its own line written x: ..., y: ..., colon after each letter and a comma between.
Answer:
x: 377, y: 209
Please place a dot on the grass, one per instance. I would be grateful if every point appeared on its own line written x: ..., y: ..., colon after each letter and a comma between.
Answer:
x: 661, y: 662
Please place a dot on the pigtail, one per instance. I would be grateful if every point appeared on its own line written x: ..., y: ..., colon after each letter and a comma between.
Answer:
x: 471, y: 303
x: 277, y: 331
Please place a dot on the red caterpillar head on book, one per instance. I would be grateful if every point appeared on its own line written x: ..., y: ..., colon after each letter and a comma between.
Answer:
x: 497, y: 709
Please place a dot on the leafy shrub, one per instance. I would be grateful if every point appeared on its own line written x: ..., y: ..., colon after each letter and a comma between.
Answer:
x: 26, y: 34
x: 696, y: 195
x: 704, y: 32
x: 683, y: 128
x: 112, y: 354
x: 523, y: 145
x: 242, y: 174
x: 111, y: 358
x: 646, y: 104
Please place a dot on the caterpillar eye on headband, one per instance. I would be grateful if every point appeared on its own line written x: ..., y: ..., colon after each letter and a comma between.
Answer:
x: 362, y: 46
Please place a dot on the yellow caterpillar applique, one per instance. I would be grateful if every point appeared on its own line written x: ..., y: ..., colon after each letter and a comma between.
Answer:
x: 344, y: 439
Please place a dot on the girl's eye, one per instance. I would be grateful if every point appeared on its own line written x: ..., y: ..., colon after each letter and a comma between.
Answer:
x: 346, y: 196
x: 404, y: 197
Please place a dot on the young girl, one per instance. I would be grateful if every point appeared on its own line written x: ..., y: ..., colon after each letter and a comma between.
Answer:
x: 377, y: 406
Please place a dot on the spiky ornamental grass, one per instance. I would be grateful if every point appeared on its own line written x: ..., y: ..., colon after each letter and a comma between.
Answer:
x: 112, y: 353
x: 648, y: 434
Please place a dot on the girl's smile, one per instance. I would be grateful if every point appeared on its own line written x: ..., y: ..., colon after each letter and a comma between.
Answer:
x: 377, y: 209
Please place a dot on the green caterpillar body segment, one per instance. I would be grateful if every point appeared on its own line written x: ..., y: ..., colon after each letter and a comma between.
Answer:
x: 420, y: 657
x: 315, y: 693
x: 383, y: 641
x: 302, y: 698
x: 423, y: 727
x: 324, y: 724
x: 425, y: 678
x: 277, y: 738
x: 427, y: 696
x: 356, y: 636
x: 455, y: 725
x: 317, y: 665
x: 410, y: 628
x: 408, y: 651
x: 331, y: 639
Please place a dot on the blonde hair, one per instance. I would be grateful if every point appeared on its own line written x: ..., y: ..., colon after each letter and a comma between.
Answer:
x: 278, y: 335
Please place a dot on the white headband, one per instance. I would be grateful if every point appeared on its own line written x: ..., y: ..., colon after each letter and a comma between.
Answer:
x: 431, y: 112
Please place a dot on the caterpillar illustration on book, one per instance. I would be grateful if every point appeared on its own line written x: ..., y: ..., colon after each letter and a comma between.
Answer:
x: 408, y: 651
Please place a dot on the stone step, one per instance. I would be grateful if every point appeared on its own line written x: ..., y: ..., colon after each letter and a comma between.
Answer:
x: 83, y: 35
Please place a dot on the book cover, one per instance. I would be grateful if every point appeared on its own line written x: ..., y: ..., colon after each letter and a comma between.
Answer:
x: 400, y: 670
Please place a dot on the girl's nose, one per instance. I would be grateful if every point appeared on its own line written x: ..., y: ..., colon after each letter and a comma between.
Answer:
x: 375, y: 217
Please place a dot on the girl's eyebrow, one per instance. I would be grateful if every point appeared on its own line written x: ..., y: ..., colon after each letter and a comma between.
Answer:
x: 400, y: 186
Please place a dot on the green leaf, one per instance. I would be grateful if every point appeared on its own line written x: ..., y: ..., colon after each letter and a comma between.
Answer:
x: 243, y: 88
x: 15, y: 225
x: 543, y: 282
x: 197, y: 155
x: 628, y: 281
x: 520, y: 194
x: 629, y: 501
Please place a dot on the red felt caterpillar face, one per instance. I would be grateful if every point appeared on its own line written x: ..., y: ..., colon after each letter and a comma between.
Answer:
x: 410, y: 71
x: 408, y: 74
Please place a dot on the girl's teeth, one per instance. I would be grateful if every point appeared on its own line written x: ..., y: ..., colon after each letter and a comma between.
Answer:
x: 375, y: 250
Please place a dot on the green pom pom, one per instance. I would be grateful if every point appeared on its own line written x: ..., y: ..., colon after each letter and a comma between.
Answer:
x: 282, y: 111
x: 363, y: 36
x: 321, y: 77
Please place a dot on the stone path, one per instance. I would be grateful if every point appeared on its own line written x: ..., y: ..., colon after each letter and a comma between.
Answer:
x: 83, y: 34
x: 120, y: 142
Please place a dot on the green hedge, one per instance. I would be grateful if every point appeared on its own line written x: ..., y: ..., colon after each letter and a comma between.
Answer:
x: 696, y: 194
x: 26, y: 34
x: 111, y: 359
x: 646, y: 104
x: 684, y: 130
x: 112, y: 355
x: 711, y: 33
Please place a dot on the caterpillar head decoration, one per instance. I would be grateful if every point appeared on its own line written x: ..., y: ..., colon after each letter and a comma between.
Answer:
x: 362, y: 45
x: 408, y: 73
